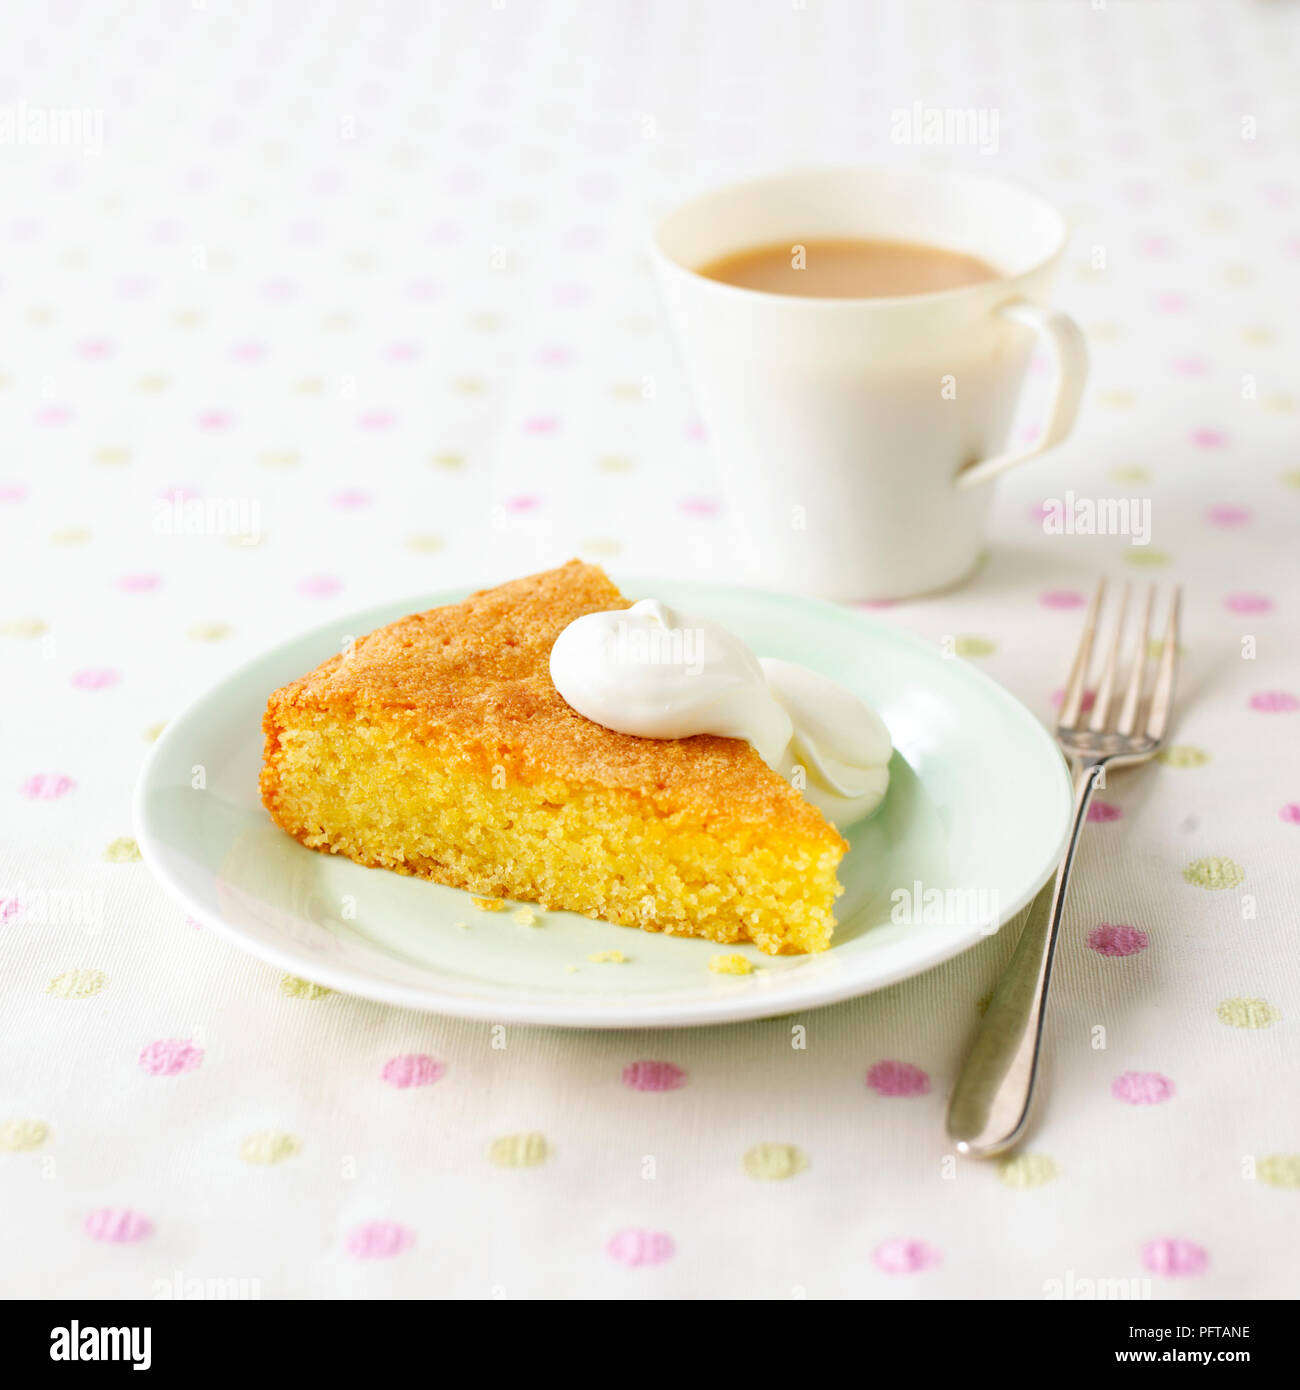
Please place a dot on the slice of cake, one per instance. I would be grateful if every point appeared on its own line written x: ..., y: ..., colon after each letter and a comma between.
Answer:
x: 439, y: 746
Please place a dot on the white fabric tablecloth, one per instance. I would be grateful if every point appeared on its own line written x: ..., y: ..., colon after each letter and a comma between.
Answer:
x: 376, y: 272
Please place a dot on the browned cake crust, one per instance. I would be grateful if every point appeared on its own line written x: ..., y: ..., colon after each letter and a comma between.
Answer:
x: 476, y: 674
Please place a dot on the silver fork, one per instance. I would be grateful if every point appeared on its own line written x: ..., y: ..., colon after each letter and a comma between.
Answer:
x: 990, y: 1104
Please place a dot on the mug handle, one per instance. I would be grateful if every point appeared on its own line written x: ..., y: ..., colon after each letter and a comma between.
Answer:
x: 1065, y: 339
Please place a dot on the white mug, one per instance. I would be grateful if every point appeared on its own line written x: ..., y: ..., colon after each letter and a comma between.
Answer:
x: 857, y: 439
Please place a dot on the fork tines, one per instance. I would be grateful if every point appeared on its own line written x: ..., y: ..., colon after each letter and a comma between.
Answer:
x: 1162, y: 692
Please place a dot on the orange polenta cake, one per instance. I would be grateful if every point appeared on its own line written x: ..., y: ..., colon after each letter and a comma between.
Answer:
x: 439, y: 746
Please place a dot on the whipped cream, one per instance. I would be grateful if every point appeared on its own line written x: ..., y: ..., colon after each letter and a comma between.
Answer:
x: 656, y: 672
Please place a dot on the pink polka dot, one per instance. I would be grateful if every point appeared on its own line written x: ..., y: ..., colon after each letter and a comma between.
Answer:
x: 214, y: 420
x: 699, y: 506
x: 379, y: 1240
x: 1103, y: 812
x: 1248, y: 603
x: 1062, y: 598
x: 96, y: 678
x: 1290, y: 813
x: 12, y: 492
x: 402, y: 352
x: 1190, y: 366
x: 351, y: 500
x: 54, y: 415
x: 1274, y: 702
x: 1174, y: 1259
x: 138, y: 583
x: 653, y: 1076
x: 525, y: 502
x: 248, y: 352
x: 1158, y: 248
x: 95, y: 348
x: 904, y: 1256
x: 1209, y: 439
x: 1108, y: 940
x: 541, y: 424
x: 554, y: 356
x: 117, y: 1226
x: 1170, y: 303
x: 377, y: 420
x: 46, y: 786
x: 412, y: 1069
x: 634, y: 1247
x: 170, y: 1057
x: 1089, y: 699
x: 569, y: 295
x: 1227, y: 514
x: 1142, y: 1088
x: 281, y: 289
x: 696, y: 432
x: 9, y: 907
x: 1040, y: 511
x: 898, y: 1079
x: 875, y: 604
x: 319, y: 586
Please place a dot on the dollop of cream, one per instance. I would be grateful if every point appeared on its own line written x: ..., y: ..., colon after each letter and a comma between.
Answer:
x: 657, y: 672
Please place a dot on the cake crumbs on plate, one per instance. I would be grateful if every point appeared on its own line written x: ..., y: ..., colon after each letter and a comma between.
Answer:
x: 464, y: 926
x: 489, y: 904
x: 524, y: 916
x: 730, y: 965
x: 608, y: 958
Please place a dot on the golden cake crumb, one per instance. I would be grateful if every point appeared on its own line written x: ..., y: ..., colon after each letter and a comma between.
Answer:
x: 439, y: 746
x: 608, y: 958
x: 729, y: 965
x: 524, y: 916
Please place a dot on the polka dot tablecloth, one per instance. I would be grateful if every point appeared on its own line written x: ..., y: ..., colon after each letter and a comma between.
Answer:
x: 311, y: 307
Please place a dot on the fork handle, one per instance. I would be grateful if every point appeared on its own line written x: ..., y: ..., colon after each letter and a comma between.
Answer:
x: 990, y: 1103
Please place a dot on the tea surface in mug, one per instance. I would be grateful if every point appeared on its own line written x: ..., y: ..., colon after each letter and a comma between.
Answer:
x: 849, y: 268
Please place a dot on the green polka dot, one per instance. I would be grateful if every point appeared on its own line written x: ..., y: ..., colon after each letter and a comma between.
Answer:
x: 1144, y: 557
x: 601, y: 545
x: 625, y: 391
x: 774, y: 1162
x: 154, y: 732
x: 1257, y: 336
x: 968, y: 646
x: 1130, y: 473
x: 269, y: 1146
x: 1105, y: 332
x: 1214, y: 873
x: 70, y: 535
x: 614, y: 463
x: 297, y: 988
x: 468, y: 386
x: 424, y: 543
x: 485, y: 323
x: 310, y: 386
x: 77, y: 984
x: 19, y: 1136
x: 281, y: 458
x: 519, y: 1150
x: 1156, y: 649
x: 1291, y: 478
x: 112, y: 456
x: 1116, y: 400
x: 1183, y: 755
x: 1028, y: 1170
x: 153, y: 384
x: 1284, y: 405
x: 447, y: 460
x: 208, y: 632
x: 1239, y: 1012
x: 1279, y: 1170
x: 123, y: 850
x: 22, y: 627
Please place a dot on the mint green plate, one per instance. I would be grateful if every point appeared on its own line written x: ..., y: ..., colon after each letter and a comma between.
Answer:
x: 974, y: 823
